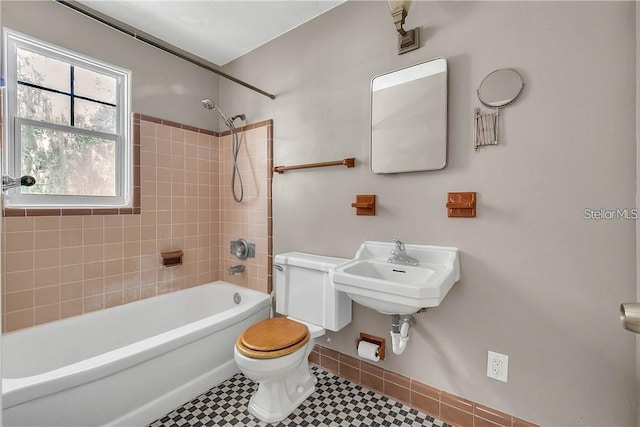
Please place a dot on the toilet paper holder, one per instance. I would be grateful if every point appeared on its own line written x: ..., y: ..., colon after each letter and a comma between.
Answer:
x: 379, y: 341
x: 630, y: 316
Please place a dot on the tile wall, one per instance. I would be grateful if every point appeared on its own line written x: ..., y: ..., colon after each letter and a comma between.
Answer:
x: 447, y: 407
x: 252, y: 218
x: 68, y: 264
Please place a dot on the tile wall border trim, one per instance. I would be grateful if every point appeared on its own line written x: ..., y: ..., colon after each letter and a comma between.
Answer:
x: 256, y: 125
x: 170, y: 123
x: 269, y: 125
x: 183, y: 126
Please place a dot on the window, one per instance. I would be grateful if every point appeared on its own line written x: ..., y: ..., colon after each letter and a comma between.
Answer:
x: 67, y: 123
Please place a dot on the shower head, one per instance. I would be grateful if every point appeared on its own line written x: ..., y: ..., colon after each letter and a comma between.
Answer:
x: 208, y: 104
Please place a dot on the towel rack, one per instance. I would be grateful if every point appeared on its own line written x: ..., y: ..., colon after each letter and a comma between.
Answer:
x: 349, y: 162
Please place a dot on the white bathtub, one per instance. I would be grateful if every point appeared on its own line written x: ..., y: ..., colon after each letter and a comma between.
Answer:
x: 126, y: 365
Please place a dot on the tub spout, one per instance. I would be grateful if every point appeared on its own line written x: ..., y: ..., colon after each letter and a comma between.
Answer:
x: 236, y: 269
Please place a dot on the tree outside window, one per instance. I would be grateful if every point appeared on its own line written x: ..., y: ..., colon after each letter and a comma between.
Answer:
x: 69, y: 127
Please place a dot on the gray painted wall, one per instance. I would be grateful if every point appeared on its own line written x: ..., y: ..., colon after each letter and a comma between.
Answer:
x: 163, y: 85
x: 539, y: 283
x: 637, y: 204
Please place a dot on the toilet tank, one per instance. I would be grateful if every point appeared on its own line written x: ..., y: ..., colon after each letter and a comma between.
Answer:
x: 304, y: 291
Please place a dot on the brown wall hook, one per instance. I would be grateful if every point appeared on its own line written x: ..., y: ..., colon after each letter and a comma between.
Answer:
x: 365, y: 204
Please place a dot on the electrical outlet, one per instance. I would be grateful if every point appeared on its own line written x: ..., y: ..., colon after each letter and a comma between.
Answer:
x: 498, y: 366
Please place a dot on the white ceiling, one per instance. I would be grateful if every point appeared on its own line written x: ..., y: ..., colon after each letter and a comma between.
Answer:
x: 216, y: 30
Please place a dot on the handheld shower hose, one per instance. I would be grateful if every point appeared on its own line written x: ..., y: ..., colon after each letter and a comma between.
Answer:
x: 210, y: 105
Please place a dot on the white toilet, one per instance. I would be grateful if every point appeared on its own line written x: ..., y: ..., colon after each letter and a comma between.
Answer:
x: 274, y: 352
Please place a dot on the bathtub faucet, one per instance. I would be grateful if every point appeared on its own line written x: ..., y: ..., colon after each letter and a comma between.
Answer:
x: 236, y: 269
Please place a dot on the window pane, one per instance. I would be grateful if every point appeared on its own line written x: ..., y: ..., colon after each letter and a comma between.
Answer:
x: 43, y: 71
x: 38, y: 104
x: 65, y: 163
x: 94, y: 116
x: 94, y: 85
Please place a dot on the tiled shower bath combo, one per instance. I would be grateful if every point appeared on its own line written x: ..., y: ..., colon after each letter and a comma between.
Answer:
x: 59, y: 266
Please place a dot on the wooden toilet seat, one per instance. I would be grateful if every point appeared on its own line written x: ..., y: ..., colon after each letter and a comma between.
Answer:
x: 272, y: 338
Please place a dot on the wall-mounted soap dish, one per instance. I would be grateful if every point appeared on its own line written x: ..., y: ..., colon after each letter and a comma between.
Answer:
x: 171, y: 258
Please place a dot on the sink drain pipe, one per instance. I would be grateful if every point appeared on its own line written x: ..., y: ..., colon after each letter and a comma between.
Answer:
x: 400, y: 331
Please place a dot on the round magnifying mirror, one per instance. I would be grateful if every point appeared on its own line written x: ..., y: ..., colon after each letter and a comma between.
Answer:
x: 500, y: 88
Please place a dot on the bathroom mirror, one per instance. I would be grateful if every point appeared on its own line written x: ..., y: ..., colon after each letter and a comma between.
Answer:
x: 500, y: 88
x: 409, y: 119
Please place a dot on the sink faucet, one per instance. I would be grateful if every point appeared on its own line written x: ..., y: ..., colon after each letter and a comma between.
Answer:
x: 399, y: 255
x: 236, y: 269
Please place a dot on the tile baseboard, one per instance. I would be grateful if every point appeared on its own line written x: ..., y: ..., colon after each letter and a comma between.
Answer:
x: 437, y: 403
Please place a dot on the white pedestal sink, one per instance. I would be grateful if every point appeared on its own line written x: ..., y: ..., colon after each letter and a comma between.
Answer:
x: 370, y: 280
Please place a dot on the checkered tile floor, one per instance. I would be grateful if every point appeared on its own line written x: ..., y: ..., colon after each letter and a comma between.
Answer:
x: 336, y: 402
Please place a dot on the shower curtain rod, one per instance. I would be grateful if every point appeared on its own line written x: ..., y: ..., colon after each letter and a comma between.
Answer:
x: 155, y: 42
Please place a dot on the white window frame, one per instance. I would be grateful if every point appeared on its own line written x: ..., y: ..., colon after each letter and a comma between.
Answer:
x: 12, y: 125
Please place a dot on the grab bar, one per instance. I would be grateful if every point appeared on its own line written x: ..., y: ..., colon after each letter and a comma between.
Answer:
x: 348, y: 162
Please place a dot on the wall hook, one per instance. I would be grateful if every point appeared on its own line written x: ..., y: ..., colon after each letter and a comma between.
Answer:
x: 365, y: 204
